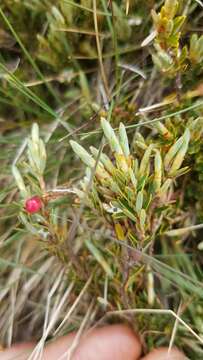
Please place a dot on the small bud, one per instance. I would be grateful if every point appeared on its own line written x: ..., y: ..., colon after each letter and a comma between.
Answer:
x: 33, y: 204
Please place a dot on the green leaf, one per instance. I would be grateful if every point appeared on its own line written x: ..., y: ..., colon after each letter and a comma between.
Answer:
x: 99, y: 257
x: 178, y: 23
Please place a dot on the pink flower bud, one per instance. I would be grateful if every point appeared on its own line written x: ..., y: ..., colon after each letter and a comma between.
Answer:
x: 33, y: 204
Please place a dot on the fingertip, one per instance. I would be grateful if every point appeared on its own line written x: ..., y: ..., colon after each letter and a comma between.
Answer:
x: 58, y: 347
x: 17, y: 351
x: 109, y: 342
x: 163, y: 354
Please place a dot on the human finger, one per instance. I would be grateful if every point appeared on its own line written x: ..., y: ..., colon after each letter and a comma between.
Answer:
x: 17, y: 352
x: 109, y: 342
x: 163, y: 354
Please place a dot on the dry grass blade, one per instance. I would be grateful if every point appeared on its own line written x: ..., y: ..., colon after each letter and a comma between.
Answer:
x: 103, y: 74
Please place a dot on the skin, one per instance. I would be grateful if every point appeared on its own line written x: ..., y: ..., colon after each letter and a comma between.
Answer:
x: 117, y: 342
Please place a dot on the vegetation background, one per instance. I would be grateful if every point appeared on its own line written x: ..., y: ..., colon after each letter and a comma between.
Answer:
x: 124, y: 243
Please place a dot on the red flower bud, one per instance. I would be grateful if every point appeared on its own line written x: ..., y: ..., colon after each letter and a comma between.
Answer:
x: 33, y: 205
